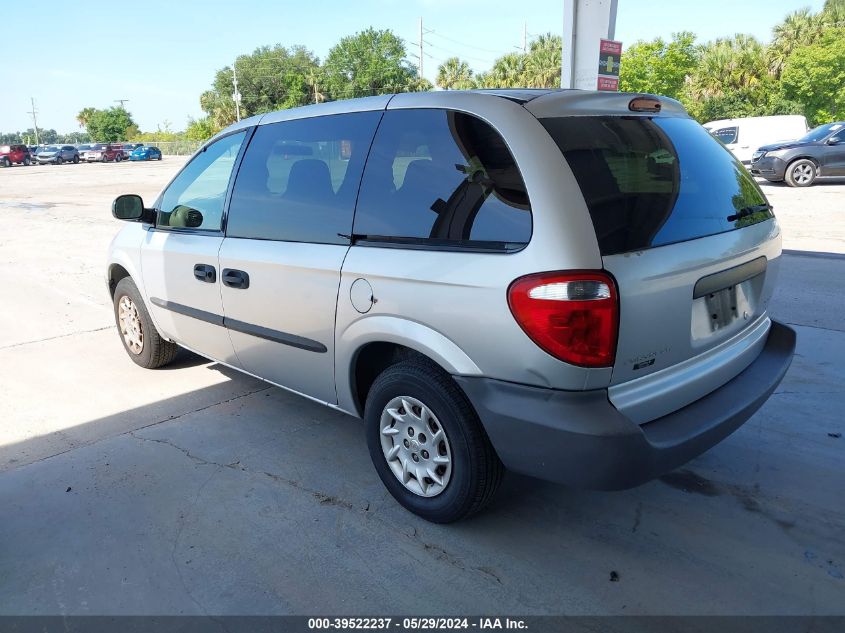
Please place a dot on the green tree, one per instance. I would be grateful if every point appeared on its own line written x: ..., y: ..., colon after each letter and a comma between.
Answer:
x: 659, y: 67
x: 455, y: 74
x: 84, y: 116
x: 109, y: 125
x: 508, y: 71
x: 201, y: 129
x: 815, y: 76
x: 270, y: 78
x: 542, y: 62
x: 370, y: 62
x: 799, y: 28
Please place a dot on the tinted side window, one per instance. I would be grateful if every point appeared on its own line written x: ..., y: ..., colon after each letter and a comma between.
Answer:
x: 299, y: 179
x: 726, y: 134
x: 201, y: 187
x: 444, y: 178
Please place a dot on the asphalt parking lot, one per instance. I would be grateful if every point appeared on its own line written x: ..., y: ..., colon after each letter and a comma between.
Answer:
x: 196, y: 490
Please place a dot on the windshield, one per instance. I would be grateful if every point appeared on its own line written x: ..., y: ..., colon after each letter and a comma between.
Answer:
x: 99, y: 146
x: 81, y: 147
x: 819, y: 133
x: 653, y: 181
x: 51, y: 148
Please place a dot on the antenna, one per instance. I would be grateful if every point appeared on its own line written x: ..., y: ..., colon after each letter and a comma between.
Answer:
x: 236, y: 95
x: 121, y: 102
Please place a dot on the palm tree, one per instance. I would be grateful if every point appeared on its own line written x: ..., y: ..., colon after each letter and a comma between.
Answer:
x: 542, y: 64
x: 799, y: 28
x: 455, y: 74
x: 507, y: 72
x: 84, y: 116
x: 735, y: 64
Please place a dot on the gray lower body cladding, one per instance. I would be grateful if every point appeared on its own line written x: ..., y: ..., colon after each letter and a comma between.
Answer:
x: 582, y: 440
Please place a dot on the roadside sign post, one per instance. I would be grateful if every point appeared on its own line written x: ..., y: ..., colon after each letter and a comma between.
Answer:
x: 610, y: 53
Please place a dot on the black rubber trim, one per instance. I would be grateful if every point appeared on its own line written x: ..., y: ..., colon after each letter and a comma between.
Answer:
x: 729, y: 277
x: 274, y: 335
x: 245, y: 328
x: 201, y: 315
x: 582, y: 440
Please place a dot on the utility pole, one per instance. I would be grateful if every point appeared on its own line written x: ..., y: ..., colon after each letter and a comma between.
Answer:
x: 121, y: 102
x: 34, y: 112
x: 421, y: 48
x: 236, y: 95
x: 524, y: 37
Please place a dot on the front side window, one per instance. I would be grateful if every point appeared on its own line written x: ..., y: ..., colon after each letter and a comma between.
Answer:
x: 439, y: 177
x: 196, y: 196
x: 299, y: 179
x: 726, y: 134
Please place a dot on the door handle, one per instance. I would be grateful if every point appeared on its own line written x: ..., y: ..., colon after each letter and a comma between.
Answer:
x: 235, y: 278
x: 206, y: 273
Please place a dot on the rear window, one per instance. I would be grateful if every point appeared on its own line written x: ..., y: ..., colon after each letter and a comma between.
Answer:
x: 654, y: 181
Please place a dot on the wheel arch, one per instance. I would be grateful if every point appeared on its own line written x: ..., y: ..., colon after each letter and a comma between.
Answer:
x: 371, y: 345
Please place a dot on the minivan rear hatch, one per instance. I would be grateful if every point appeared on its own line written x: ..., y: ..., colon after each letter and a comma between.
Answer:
x: 690, y: 240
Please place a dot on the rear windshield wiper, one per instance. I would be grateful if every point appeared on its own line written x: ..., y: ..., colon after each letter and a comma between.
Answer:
x: 751, y: 210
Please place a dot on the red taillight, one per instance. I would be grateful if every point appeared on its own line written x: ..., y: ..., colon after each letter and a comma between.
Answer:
x: 572, y: 315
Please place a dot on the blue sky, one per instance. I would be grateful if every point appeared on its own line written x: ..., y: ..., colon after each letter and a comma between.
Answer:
x: 161, y: 54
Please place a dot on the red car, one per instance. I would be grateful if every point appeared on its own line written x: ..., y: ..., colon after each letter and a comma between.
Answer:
x: 11, y: 154
x: 103, y: 152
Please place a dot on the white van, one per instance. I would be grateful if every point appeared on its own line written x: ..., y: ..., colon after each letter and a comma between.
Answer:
x: 744, y: 136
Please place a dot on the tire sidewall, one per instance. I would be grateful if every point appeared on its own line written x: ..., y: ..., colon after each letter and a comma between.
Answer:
x: 448, y: 504
x: 789, y: 173
x: 127, y: 288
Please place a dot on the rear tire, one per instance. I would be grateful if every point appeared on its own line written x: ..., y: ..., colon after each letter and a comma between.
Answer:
x: 463, y: 459
x: 59, y: 160
x: 27, y: 162
x: 801, y: 173
x: 76, y: 160
x: 142, y: 342
x: 7, y: 162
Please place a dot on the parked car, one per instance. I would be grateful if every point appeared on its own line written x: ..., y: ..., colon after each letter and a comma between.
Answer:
x: 490, y: 280
x: 820, y: 153
x: 82, y: 149
x: 57, y: 154
x: 14, y: 154
x: 744, y: 136
x: 146, y: 152
x: 104, y: 152
x: 128, y: 148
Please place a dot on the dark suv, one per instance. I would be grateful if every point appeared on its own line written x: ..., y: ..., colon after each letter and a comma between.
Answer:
x: 11, y: 154
x: 821, y: 152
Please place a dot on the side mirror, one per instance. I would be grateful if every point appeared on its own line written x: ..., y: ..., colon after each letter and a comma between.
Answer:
x: 832, y: 141
x: 129, y: 207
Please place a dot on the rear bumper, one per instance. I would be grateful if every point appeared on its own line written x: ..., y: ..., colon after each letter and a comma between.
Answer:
x: 582, y: 440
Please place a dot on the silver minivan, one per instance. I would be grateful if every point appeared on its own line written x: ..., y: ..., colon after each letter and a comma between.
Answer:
x: 566, y: 284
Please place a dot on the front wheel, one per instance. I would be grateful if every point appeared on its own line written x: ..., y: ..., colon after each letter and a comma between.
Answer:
x: 7, y: 162
x: 59, y: 160
x: 76, y: 160
x: 801, y: 173
x: 118, y: 158
x: 140, y: 339
x: 27, y: 161
x: 427, y: 443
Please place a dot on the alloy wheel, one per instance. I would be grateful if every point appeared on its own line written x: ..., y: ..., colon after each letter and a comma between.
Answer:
x: 130, y: 325
x: 415, y: 446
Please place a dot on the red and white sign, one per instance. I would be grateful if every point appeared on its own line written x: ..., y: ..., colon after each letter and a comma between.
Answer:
x: 610, y: 84
x: 610, y: 47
